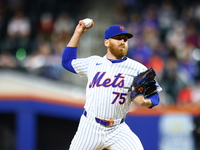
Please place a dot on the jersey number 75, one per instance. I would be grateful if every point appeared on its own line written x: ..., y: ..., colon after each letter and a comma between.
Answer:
x: 120, y: 96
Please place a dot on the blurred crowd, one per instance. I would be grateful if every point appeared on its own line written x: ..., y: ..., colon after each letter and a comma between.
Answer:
x: 166, y: 37
x: 32, y: 40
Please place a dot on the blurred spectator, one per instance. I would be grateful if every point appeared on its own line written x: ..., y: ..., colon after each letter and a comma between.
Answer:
x: 150, y: 26
x: 141, y: 52
x: 19, y: 26
x: 58, y: 46
x: 184, y: 96
x: 120, y: 12
x: 197, y: 10
x: 175, y: 37
x: 146, y: 35
x: 150, y: 17
x: 63, y: 28
x: 8, y: 61
x: 161, y: 50
x: 196, y: 93
x: 157, y: 63
x: 186, y: 14
x: 134, y: 26
x: 166, y: 17
x: 171, y: 81
x: 192, y: 35
x: 18, y: 33
x: 45, y: 27
x: 43, y: 63
x: 64, y: 23
x: 38, y: 58
x: 150, y: 34
x: 187, y: 64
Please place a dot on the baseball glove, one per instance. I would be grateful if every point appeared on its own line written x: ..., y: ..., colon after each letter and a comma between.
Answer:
x: 143, y: 84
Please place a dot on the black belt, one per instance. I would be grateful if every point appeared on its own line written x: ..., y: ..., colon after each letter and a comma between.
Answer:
x: 106, y: 123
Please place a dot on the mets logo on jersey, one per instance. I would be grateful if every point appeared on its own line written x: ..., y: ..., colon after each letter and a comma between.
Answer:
x: 98, y: 81
x: 121, y: 28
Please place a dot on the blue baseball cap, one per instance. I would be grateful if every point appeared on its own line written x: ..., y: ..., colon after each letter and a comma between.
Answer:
x: 114, y: 30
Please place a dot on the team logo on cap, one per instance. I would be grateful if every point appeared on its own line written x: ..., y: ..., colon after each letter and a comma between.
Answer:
x: 121, y: 28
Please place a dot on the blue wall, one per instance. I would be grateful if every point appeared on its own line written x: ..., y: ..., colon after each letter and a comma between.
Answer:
x: 145, y: 127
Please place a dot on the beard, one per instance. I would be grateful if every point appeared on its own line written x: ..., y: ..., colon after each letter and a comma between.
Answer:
x: 118, y: 51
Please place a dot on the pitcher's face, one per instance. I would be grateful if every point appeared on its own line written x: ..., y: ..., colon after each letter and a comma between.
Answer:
x: 118, y: 46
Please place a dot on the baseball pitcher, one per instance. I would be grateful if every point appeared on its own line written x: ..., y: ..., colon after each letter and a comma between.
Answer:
x: 114, y: 82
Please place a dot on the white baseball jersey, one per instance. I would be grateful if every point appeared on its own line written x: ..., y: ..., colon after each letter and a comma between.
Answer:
x: 107, y: 94
x: 107, y: 98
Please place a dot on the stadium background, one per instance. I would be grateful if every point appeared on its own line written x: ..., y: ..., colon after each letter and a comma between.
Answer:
x: 41, y: 103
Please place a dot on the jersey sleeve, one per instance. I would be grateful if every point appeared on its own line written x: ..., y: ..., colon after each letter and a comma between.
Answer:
x: 81, y: 65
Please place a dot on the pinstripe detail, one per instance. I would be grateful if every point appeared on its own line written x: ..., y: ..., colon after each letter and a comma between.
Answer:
x: 88, y: 136
x: 92, y: 136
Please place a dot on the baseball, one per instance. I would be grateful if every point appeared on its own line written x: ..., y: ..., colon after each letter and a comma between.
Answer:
x: 87, y: 22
